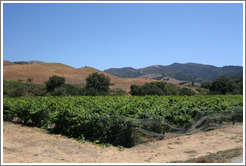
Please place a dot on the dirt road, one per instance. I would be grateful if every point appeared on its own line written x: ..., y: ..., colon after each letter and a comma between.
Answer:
x: 23, y: 144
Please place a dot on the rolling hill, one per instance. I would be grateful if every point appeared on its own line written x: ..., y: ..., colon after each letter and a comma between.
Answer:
x: 40, y: 72
x: 178, y: 71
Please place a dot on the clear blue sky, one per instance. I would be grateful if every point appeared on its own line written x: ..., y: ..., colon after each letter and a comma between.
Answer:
x: 119, y: 35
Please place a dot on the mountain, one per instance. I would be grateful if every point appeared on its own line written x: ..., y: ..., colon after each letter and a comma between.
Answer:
x: 40, y: 72
x: 6, y: 63
x: 27, y: 62
x: 178, y: 71
x: 120, y: 77
x: 126, y: 72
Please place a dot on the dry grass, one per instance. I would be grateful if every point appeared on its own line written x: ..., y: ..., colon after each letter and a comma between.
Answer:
x: 41, y: 73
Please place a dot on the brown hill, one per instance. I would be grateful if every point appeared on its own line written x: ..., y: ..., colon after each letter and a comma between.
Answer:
x: 42, y: 71
x: 7, y: 63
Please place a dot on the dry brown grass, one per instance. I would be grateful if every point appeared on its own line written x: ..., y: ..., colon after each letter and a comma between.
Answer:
x: 6, y: 63
x: 41, y: 73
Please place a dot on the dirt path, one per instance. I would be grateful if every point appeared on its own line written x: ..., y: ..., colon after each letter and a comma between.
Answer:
x: 23, y: 144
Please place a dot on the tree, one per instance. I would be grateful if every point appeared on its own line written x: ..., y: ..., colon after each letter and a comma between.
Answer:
x: 192, y: 83
x: 73, y: 90
x: 117, y: 92
x: 60, y: 91
x: 186, y: 91
x: 136, y: 90
x: 29, y: 80
x: 159, y: 88
x: 97, y: 82
x: 206, y: 84
x: 54, y: 82
x: 222, y: 85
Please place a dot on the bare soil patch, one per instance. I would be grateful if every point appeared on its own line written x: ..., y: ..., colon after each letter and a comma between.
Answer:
x: 226, y: 156
x: 22, y: 144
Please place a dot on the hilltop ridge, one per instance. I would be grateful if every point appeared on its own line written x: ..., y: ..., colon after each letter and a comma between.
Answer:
x: 40, y: 72
x: 120, y: 77
x: 180, y: 71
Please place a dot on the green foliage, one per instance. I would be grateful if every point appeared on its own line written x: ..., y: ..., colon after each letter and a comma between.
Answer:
x: 73, y: 90
x: 117, y: 92
x: 202, y: 91
x: 98, y: 82
x: 192, y: 83
x: 186, y: 91
x: 14, y: 88
x: 69, y: 90
x: 54, y: 82
x: 29, y: 79
x: 159, y: 88
x: 94, y: 92
x: 232, y: 84
x: 81, y: 138
x: 237, y: 80
x: 59, y: 91
x: 17, y: 89
x: 136, y: 90
x: 121, y: 148
x: 222, y: 85
x: 206, y: 84
x: 112, y: 120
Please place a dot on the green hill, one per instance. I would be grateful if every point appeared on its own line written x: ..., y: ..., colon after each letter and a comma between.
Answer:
x: 179, y: 71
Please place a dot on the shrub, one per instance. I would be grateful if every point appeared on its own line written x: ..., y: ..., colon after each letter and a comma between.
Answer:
x: 59, y: 91
x: 206, y: 84
x: 222, y: 85
x: 202, y: 90
x: 117, y: 92
x: 98, y: 82
x: 18, y: 89
x: 54, y: 82
x: 186, y: 91
x: 73, y: 90
x: 93, y: 92
x: 159, y: 88
x: 29, y: 79
x: 136, y: 90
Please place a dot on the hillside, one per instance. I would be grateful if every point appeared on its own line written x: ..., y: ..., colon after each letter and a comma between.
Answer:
x: 178, y: 71
x: 27, y: 62
x: 6, y: 63
x: 40, y: 72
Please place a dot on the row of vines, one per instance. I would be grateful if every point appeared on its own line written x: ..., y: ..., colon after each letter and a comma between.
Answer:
x: 112, y: 119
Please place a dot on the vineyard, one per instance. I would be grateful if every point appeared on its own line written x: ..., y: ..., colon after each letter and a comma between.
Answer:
x: 124, y: 120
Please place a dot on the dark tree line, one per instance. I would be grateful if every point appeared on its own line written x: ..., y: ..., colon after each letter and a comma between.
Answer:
x: 96, y: 85
x: 159, y: 88
x: 225, y: 85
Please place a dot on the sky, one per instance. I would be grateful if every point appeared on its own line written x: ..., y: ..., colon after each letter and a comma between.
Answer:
x: 124, y: 35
